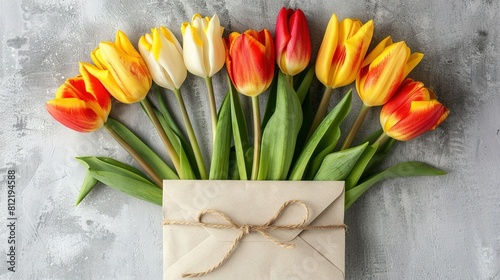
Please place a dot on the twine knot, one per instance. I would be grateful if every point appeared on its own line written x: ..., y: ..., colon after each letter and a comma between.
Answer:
x: 247, y: 229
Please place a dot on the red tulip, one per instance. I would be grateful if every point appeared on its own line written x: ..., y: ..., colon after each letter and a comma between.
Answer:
x: 293, y: 42
x: 82, y: 103
x: 412, y: 111
x: 250, y: 61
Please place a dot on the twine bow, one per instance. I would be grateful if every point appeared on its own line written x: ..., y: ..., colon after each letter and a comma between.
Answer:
x: 246, y: 229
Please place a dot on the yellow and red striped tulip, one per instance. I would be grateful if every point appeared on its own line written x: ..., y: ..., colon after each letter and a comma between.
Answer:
x: 250, y: 61
x: 383, y: 70
x: 163, y: 55
x: 203, y: 46
x: 342, y: 51
x: 121, y: 69
x: 412, y: 111
x: 293, y: 42
x: 82, y: 103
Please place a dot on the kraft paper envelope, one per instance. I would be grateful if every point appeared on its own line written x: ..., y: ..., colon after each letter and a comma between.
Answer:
x: 318, y: 254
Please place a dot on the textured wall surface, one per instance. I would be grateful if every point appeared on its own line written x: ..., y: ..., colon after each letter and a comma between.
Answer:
x: 421, y: 228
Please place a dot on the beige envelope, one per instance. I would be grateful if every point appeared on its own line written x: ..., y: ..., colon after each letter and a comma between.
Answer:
x: 318, y: 254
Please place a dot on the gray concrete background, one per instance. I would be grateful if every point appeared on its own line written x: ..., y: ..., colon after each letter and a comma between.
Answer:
x: 427, y: 228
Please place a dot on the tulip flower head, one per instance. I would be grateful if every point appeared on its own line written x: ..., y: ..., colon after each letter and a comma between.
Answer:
x: 293, y: 42
x: 342, y: 51
x: 82, y: 103
x: 412, y: 111
x: 383, y: 70
x: 121, y: 69
x: 250, y: 61
x: 204, y: 51
x: 163, y: 55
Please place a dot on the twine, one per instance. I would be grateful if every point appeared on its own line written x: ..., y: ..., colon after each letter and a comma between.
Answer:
x: 246, y: 229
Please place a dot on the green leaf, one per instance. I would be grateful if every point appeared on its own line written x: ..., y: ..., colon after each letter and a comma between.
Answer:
x: 167, y: 119
x: 240, y: 132
x: 405, y: 169
x: 323, y: 140
x: 222, y: 145
x: 359, y: 168
x: 271, y: 101
x: 186, y: 168
x: 158, y: 165
x: 132, y: 187
x: 280, y: 134
x: 122, y: 177
x: 88, y: 184
x: 337, y: 166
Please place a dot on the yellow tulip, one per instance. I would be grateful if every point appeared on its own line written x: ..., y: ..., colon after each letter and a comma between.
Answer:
x: 121, y: 69
x: 383, y: 70
x: 342, y: 51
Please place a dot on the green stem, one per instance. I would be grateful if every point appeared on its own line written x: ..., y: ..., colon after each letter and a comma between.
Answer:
x: 136, y: 156
x: 256, y: 137
x: 213, y: 107
x: 382, y: 139
x: 164, y: 138
x: 289, y: 78
x: 320, y: 114
x: 192, y: 136
x: 355, y: 127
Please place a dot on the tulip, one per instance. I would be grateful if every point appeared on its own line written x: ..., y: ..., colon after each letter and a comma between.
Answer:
x: 342, y: 51
x: 204, y: 54
x: 121, y: 69
x: 250, y: 61
x: 412, y: 111
x: 383, y: 70
x: 250, y: 64
x: 293, y: 42
x: 82, y: 103
x: 204, y: 51
x: 163, y: 55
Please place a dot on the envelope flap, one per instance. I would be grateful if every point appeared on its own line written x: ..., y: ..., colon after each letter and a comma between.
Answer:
x: 232, y: 199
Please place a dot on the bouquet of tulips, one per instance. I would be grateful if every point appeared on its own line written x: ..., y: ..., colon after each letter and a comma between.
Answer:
x: 289, y: 141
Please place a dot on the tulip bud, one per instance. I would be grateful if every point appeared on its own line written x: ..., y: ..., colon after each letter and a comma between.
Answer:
x: 121, y: 69
x: 293, y: 42
x: 82, y: 103
x: 412, y: 111
x: 383, y: 70
x: 204, y: 51
x: 342, y: 51
x: 250, y: 61
x: 163, y: 55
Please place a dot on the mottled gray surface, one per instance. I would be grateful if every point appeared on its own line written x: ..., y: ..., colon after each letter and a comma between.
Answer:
x: 427, y: 228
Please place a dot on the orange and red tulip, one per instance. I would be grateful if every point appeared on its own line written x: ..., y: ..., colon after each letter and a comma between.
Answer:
x: 293, y: 42
x: 383, y: 70
x: 250, y: 61
x: 342, y: 51
x: 412, y: 111
x: 82, y: 103
x: 121, y: 69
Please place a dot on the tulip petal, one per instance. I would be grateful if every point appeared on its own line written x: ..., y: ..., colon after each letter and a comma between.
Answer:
x: 413, y: 60
x: 74, y: 114
x: 377, y: 51
x: 193, y: 52
x: 215, y: 50
x: 298, y: 48
x: 96, y: 88
x: 327, y: 51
